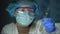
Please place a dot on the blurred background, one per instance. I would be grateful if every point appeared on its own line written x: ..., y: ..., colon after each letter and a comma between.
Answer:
x: 51, y: 6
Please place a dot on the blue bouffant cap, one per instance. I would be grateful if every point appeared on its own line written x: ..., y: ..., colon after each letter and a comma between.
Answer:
x: 13, y: 5
x: 49, y: 24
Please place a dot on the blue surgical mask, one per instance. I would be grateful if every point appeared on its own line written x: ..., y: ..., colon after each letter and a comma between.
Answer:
x: 24, y: 19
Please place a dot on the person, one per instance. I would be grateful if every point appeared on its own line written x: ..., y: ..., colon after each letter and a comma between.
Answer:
x: 25, y: 13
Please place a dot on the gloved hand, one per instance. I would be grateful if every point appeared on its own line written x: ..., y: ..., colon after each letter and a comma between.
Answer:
x: 49, y: 24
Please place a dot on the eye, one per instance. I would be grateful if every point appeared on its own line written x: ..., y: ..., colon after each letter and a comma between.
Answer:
x: 31, y: 10
x: 16, y: 12
x: 22, y: 10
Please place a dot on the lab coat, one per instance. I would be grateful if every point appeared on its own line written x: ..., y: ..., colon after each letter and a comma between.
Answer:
x: 36, y: 28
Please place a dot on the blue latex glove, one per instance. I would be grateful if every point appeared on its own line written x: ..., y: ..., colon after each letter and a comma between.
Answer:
x: 49, y: 24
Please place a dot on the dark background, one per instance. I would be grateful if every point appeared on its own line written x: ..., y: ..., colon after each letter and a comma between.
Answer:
x: 4, y: 16
x: 53, y: 5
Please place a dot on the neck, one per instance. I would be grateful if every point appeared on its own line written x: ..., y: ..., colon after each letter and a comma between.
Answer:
x: 22, y: 29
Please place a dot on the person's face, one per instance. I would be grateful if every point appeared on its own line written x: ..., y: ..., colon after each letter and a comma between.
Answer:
x: 25, y: 15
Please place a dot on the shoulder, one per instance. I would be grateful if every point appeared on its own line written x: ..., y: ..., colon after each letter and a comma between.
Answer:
x: 35, y: 29
x: 38, y: 23
x: 8, y: 28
